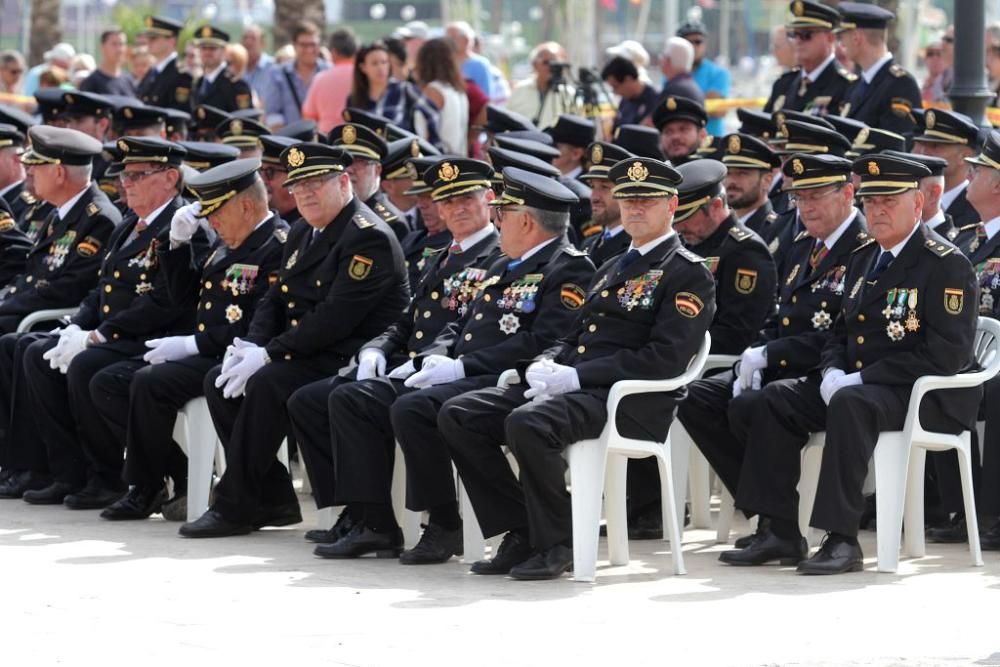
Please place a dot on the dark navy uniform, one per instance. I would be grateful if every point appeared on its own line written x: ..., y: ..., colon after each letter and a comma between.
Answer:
x: 606, y: 246
x: 794, y: 91
x: 228, y: 92
x: 389, y: 213
x: 887, y: 102
x: 170, y: 88
x: 14, y: 248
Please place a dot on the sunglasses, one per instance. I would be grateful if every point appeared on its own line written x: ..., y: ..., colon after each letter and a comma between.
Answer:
x: 801, y: 35
x: 696, y: 42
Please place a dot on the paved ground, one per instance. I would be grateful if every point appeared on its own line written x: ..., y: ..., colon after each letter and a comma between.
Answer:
x: 78, y: 590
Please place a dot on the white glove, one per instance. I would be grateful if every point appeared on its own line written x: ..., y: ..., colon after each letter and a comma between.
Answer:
x: 170, y: 349
x: 229, y: 358
x: 547, y: 379
x: 834, y: 381
x: 371, y: 363
x: 753, y: 359
x: 54, y: 354
x: 436, y: 369
x: 404, y: 371
x: 248, y: 360
x: 184, y: 223
x: 755, y: 382
x: 72, y: 341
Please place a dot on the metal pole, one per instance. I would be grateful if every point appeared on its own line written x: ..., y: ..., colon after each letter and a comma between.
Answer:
x: 670, y: 9
x: 969, y: 94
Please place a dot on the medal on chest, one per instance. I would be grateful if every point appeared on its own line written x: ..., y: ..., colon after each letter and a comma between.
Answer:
x: 59, y: 249
x: 520, y: 295
x: 901, y: 311
x: 461, y: 288
x: 240, y: 279
x: 145, y: 259
x: 510, y: 323
x: 638, y: 292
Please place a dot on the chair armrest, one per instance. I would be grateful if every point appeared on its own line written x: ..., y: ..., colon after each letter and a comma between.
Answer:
x: 716, y: 361
x: 53, y: 314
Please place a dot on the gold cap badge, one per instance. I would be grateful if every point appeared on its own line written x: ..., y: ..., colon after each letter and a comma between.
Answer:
x: 296, y: 158
x: 350, y: 134
x: 735, y: 145
x: 637, y: 172
x: 448, y: 172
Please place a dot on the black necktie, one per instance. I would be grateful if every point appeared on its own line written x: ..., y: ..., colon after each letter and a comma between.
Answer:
x: 628, y: 258
x: 858, y: 94
x: 884, y: 260
x: 203, y: 87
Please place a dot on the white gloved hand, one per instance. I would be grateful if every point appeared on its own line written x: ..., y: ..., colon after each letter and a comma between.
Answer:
x: 547, y: 379
x: 244, y: 361
x: 755, y: 383
x: 403, y: 371
x: 170, y: 349
x: 71, y: 343
x: 436, y: 369
x: 371, y: 363
x: 753, y: 359
x: 54, y: 354
x: 229, y: 358
x: 834, y: 381
x: 184, y: 223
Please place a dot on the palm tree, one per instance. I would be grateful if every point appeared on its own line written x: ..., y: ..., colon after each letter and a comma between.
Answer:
x: 287, y: 13
x: 46, y: 28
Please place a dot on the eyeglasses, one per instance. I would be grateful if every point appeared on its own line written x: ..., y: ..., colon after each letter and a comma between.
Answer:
x: 309, y: 185
x: 812, y: 198
x: 135, y: 176
x: 802, y: 35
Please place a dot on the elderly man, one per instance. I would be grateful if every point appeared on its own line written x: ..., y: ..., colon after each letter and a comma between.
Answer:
x: 12, y: 191
x: 139, y: 398
x: 681, y: 123
x: 817, y: 83
x: 473, y: 65
x: 676, y: 63
x: 532, y: 97
x: 908, y: 311
x: 273, y: 175
x: 164, y: 85
x: 342, y: 282
x: 953, y: 137
x: 219, y: 86
x: 643, y: 317
x: 362, y: 446
x: 129, y: 305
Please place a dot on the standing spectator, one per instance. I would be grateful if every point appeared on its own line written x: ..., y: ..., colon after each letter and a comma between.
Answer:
x: 259, y: 63
x: 61, y: 56
x: 948, y: 56
x: 635, y: 53
x: 501, y: 89
x: 12, y: 68
x: 140, y: 62
x: 397, y: 58
x: 676, y: 62
x: 220, y: 86
x: 532, y: 97
x: 374, y: 89
x: 108, y: 78
x: 414, y: 35
x: 637, y: 98
x: 192, y: 60
x: 236, y: 56
x: 441, y: 83
x: 473, y: 65
x: 993, y: 63
x: 288, y: 85
x: 932, y: 89
x: 165, y: 84
x: 713, y: 80
x: 328, y: 95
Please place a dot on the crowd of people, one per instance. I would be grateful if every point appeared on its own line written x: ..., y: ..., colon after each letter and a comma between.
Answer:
x: 346, y: 253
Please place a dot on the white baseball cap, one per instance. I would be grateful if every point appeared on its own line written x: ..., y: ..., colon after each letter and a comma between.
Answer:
x: 631, y: 50
x: 61, y: 51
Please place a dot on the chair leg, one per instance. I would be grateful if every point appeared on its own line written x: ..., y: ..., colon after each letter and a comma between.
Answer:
x: 727, y: 508
x: 812, y: 460
x: 201, y: 446
x: 680, y: 459
x: 672, y: 522
x: 971, y: 522
x: 325, y: 518
x: 615, y: 513
x: 891, y: 459
x: 474, y: 545
x: 913, y: 505
x: 587, y: 463
x: 283, y: 456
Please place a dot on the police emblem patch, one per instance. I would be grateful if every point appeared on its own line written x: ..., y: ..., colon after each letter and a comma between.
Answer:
x: 360, y: 267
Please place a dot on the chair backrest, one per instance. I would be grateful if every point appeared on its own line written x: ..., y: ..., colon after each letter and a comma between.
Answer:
x: 697, y: 364
x: 987, y: 343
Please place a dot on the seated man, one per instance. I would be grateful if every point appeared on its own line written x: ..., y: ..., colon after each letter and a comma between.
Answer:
x: 608, y: 238
x: 908, y: 312
x: 432, y: 233
x: 55, y: 428
x: 449, y: 283
x: 645, y: 317
x: 342, y: 282
x: 523, y: 303
x: 751, y: 166
x: 139, y: 397
x: 790, y: 343
x: 681, y: 123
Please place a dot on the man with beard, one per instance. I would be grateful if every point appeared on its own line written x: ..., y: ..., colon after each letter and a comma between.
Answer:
x: 681, y: 123
x: 612, y: 240
x: 751, y: 164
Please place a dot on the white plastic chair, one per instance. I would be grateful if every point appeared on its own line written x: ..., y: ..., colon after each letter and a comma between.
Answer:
x: 39, y: 316
x: 602, y: 463
x: 899, y: 462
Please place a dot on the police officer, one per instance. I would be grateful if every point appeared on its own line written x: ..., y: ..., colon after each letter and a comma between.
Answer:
x: 433, y: 235
x: 62, y: 266
x: 750, y: 166
x: 363, y: 446
x: 14, y: 248
x: 139, y: 398
x: 164, y: 85
x: 342, y: 281
x: 273, y: 174
x: 206, y: 119
x: 396, y: 178
x: 219, y: 86
x: 138, y: 120
x: 874, y: 140
x: 129, y: 305
x: 639, y: 140
x: 789, y: 344
x: 368, y: 149
x: 953, y: 137
x: 525, y: 301
x: 203, y: 155
x: 242, y: 134
x: 908, y: 311
x: 571, y: 135
x: 643, y: 317
x: 15, y: 198
x: 817, y: 83
x: 932, y: 215
x: 884, y: 95
x: 681, y: 123
x: 609, y: 238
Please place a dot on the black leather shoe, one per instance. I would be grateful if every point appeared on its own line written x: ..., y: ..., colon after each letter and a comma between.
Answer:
x: 436, y: 545
x: 137, y: 503
x: 338, y: 530
x: 53, y: 494
x: 288, y: 514
x: 213, y: 524
x: 514, y: 550
x: 176, y: 508
x: 362, y: 540
x: 954, y: 532
x: 763, y: 524
x: 647, y: 525
x: 95, y: 496
x: 20, y: 481
x: 765, y: 548
x: 835, y: 556
x: 990, y: 540
x: 548, y: 564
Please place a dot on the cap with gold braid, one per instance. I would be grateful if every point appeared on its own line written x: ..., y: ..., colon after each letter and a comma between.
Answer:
x: 203, y: 155
x: 207, y: 117
x: 162, y: 26
x: 526, y: 188
x: 138, y: 115
x: 643, y: 177
x: 804, y: 14
x: 814, y: 139
x: 60, y: 145
x: 209, y: 35
x: 273, y: 146
x: 454, y: 176
x: 501, y: 158
x: 990, y: 155
x: 80, y: 104
x: 676, y: 107
x: 419, y: 169
x: 854, y: 15
x: 10, y: 136
x: 19, y: 119
x: 150, y: 149
x: 309, y: 160
x: 602, y: 157
x: 360, y: 141
x: 806, y: 172
x: 702, y: 181
x: 241, y: 133
x: 400, y: 152
x: 220, y: 184
x: 744, y: 151
x: 941, y: 126
x: 875, y: 140
x: 886, y: 175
